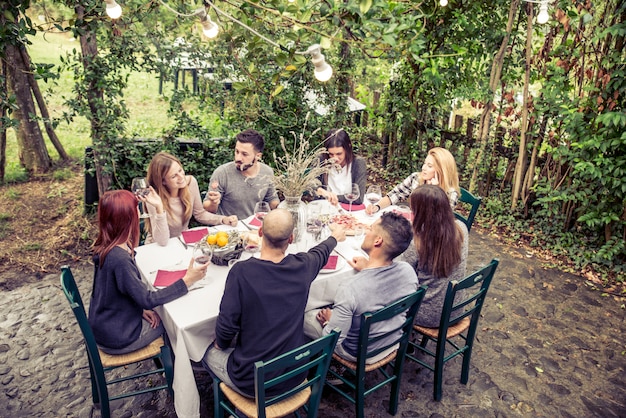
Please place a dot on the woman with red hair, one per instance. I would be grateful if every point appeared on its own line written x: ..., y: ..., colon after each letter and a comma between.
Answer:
x: 120, y: 312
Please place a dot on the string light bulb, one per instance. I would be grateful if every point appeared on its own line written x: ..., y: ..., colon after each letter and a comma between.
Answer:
x: 209, y: 28
x: 543, y: 15
x: 443, y: 3
x: 323, y: 71
x: 113, y: 10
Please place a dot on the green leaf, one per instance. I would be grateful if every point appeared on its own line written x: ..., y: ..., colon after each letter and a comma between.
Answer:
x: 365, y: 5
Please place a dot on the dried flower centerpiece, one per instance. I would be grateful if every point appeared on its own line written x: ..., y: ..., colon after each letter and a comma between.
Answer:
x: 296, y: 172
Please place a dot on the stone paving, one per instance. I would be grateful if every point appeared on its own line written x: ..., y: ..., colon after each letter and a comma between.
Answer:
x: 546, y: 347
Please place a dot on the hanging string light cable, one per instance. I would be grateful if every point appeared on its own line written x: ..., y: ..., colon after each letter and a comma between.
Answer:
x: 323, y: 71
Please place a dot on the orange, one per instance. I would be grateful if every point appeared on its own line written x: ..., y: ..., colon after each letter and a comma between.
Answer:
x: 221, y: 234
x: 211, y: 239
x: 222, y: 240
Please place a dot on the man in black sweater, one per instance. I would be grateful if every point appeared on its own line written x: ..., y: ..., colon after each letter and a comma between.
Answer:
x: 262, y: 310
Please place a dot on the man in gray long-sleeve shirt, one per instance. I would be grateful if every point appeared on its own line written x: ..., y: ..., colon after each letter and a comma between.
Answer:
x: 380, y: 281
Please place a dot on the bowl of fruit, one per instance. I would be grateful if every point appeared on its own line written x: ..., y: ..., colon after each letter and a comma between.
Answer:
x: 226, y: 246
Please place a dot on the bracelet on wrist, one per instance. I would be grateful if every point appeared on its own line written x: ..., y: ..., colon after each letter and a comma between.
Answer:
x: 377, y: 207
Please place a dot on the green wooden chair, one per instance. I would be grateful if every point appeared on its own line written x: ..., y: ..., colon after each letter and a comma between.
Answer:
x: 313, y: 357
x: 101, y: 363
x: 474, y: 202
x: 354, y: 376
x: 458, y: 319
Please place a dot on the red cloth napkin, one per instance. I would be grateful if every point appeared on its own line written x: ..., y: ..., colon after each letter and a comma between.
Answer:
x: 331, y: 264
x: 346, y: 206
x: 166, y: 277
x: 255, y: 222
x: 192, y: 236
x: 407, y: 215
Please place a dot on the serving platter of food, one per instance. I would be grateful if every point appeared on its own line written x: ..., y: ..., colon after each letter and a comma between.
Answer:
x: 349, y: 222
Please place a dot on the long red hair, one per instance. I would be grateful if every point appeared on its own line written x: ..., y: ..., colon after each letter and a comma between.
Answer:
x: 118, y: 222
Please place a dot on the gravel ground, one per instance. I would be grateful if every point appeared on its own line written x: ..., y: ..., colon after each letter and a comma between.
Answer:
x: 547, y: 346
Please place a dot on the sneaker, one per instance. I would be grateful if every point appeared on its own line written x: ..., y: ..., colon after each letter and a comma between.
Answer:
x: 331, y: 379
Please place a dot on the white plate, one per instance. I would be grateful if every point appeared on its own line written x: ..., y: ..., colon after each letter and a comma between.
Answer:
x: 341, y: 263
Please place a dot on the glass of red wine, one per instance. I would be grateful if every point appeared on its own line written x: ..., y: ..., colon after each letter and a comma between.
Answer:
x: 261, y: 209
x: 140, y: 188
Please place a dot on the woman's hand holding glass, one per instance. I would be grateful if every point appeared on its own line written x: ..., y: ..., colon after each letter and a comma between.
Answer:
x: 140, y: 188
x: 373, y: 196
x: 195, y: 272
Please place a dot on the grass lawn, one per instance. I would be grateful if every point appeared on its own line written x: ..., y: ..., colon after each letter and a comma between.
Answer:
x: 148, y: 110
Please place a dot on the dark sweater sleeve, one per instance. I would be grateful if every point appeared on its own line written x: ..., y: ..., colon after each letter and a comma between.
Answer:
x: 129, y: 283
x: 359, y: 176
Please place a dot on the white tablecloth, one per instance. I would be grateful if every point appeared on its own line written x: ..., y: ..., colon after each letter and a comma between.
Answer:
x: 190, y: 320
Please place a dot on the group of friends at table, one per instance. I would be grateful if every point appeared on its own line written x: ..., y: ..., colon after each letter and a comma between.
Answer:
x: 262, y: 311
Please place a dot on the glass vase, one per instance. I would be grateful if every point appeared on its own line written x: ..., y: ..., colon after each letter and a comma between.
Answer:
x: 298, y: 211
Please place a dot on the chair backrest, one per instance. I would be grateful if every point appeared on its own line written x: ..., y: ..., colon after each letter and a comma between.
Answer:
x: 475, y: 287
x: 409, y: 305
x: 474, y: 201
x: 76, y: 303
x: 312, y: 358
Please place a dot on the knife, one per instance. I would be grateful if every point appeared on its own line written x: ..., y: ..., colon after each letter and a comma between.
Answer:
x: 183, y: 242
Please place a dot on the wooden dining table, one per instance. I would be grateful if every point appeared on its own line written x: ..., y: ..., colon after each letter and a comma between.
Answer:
x: 190, y: 320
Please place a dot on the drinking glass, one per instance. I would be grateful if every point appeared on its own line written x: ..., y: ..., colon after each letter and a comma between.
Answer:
x: 261, y: 209
x: 140, y: 188
x: 202, y: 254
x: 373, y: 195
x: 353, y: 194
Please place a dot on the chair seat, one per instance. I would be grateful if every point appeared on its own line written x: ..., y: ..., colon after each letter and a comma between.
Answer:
x: 116, y: 360
x: 368, y: 367
x: 453, y: 331
x: 280, y: 409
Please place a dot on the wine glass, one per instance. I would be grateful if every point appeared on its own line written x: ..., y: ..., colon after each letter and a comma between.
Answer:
x: 202, y: 253
x: 373, y: 195
x: 261, y: 209
x: 140, y: 188
x: 353, y: 194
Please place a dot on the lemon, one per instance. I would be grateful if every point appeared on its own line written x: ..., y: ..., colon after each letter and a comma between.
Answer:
x: 222, y: 234
x: 222, y: 240
x: 211, y: 239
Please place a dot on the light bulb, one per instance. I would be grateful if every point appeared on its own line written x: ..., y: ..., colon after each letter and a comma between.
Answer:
x: 114, y: 10
x: 543, y: 15
x: 443, y: 3
x: 323, y: 71
x: 209, y: 28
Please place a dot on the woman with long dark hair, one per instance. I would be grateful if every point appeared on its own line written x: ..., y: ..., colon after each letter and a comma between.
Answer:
x: 350, y: 169
x: 120, y: 312
x: 174, y: 199
x: 439, y: 250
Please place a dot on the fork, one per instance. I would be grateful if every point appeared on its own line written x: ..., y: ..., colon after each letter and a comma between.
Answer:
x: 183, y: 242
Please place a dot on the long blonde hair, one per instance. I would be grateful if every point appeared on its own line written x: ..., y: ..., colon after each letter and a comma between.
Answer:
x: 157, y: 170
x: 446, y: 169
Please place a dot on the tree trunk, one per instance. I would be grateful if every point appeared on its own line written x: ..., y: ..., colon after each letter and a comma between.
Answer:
x: 494, y: 82
x: 95, y: 99
x: 520, y: 165
x: 3, y: 128
x: 43, y: 109
x: 32, y: 150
